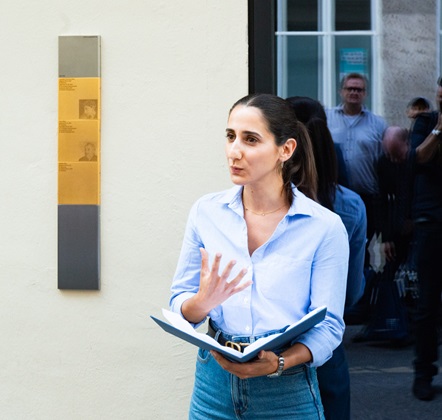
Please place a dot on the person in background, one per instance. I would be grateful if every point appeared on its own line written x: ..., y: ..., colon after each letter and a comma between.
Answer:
x: 426, y: 154
x: 357, y: 132
x: 257, y: 258
x: 333, y: 376
x: 389, y: 317
x: 394, y: 182
x: 416, y: 106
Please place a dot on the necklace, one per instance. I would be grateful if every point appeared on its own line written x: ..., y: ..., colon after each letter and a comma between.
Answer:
x: 265, y: 213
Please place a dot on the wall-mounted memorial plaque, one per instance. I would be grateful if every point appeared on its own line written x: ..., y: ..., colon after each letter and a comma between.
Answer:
x: 79, y: 146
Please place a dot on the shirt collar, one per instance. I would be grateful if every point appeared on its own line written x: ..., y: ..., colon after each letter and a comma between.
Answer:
x: 232, y: 197
x: 340, y: 108
x: 301, y: 204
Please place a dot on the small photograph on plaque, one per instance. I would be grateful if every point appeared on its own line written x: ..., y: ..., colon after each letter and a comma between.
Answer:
x: 88, y: 109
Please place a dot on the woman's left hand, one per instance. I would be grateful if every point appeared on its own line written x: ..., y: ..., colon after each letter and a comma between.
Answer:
x: 265, y: 364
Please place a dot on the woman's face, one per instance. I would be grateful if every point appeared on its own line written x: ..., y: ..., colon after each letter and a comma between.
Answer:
x: 251, y: 151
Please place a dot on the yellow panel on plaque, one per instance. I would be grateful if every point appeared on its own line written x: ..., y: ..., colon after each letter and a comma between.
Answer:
x: 79, y: 141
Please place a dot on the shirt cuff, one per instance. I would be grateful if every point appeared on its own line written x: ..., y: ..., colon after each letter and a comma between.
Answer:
x: 320, y: 353
x: 177, y: 303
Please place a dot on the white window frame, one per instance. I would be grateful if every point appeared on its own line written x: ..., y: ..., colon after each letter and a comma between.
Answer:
x: 326, y: 82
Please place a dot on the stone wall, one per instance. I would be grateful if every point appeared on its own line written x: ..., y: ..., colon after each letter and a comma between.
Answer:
x: 409, y: 55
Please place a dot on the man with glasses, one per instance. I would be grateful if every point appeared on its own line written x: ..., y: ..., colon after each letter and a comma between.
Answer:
x: 357, y: 134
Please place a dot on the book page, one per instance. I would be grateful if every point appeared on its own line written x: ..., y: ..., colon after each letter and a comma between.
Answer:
x: 179, y: 322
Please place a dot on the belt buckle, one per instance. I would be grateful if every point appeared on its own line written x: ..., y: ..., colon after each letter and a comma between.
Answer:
x: 236, y: 346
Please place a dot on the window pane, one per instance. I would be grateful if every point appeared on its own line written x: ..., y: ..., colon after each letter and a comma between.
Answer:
x: 302, y: 15
x: 302, y: 69
x: 353, y: 15
x: 353, y: 55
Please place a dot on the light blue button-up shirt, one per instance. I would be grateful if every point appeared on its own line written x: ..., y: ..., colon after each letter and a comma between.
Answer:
x: 301, y: 267
x: 360, y: 140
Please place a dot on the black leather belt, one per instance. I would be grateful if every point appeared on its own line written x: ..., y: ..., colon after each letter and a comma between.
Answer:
x: 237, y: 345
x: 238, y: 342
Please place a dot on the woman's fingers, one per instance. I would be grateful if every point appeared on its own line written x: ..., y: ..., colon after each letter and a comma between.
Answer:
x: 214, y: 281
x: 215, y: 265
x: 204, y: 260
x: 239, y: 277
x: 243, y: 286
x: 227, y: 270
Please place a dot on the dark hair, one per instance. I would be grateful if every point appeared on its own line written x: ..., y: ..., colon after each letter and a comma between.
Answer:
x: 312, y: 114
x: 281, y: 121
x: 420, y: 103
x: 354, y: 76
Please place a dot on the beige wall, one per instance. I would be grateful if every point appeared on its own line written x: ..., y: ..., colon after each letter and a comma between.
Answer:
x: 170, y: 71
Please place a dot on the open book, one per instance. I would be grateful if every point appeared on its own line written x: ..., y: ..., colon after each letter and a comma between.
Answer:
x: 181, y: 328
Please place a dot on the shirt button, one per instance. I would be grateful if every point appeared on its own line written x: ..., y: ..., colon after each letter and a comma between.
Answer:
x: 247, y: 328
x: 246, y: 300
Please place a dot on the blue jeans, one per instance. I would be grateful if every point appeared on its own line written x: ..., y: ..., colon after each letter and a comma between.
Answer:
x: 217, y: 394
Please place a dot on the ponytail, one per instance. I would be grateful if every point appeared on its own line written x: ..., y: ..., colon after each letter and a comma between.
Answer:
x: 300, y: 169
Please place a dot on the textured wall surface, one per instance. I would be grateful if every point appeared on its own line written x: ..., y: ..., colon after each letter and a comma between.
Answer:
x: 409, y: 55
x: 170, y: 72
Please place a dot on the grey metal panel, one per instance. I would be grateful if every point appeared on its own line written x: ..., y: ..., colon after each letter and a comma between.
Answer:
x: 79, y: 56
x: 79, y: 247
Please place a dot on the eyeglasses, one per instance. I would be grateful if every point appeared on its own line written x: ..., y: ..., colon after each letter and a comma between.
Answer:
x: 354, y: 89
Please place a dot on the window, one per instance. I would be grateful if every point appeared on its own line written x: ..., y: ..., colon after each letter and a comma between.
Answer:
x: 318, y: 41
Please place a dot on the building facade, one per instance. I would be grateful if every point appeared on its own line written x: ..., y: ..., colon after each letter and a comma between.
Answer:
x: 307, y: 46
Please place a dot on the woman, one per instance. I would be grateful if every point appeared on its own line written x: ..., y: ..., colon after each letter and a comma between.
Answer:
x: 257, y: 258
x: 334, y: 378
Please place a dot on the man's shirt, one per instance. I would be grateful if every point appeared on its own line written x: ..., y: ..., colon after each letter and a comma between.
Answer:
x: 360, y: 140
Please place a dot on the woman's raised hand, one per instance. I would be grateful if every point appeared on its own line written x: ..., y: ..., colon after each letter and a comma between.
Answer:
x: 214, y: 288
